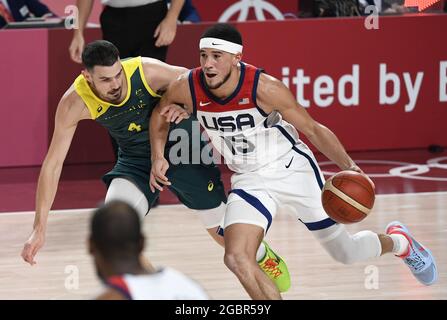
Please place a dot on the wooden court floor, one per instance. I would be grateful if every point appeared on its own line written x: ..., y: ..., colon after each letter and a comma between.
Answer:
x: 176, y: 238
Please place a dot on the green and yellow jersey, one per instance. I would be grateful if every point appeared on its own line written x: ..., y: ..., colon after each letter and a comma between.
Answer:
x: 128, y: 121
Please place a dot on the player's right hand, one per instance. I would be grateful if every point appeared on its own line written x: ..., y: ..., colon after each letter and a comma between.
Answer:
x: 76, y: 48
x: 174, y: 113
x: 158, y: 174
x: 357, y: 169
x: 34, y: 243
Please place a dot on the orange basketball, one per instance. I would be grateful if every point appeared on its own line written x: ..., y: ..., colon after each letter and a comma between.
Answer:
x: 348, y: 197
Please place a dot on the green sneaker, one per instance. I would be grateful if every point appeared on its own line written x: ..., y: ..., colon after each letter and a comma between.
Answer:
x: 275, y: 268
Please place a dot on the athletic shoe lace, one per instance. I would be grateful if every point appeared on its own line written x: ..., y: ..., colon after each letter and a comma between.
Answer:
x: 271, y: 267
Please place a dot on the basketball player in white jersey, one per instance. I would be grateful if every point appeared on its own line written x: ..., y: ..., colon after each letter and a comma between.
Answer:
x: 253, y: 120
x: 116, y: 243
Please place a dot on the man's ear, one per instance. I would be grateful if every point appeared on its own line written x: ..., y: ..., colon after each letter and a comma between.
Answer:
x: 237, y: 58
x: 87, y: 75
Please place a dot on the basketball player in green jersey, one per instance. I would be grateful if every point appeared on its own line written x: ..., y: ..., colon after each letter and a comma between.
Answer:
x: 121, y: 95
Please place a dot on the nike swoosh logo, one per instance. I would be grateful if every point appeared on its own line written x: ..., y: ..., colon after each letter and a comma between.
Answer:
x: 216, y: 44
x: 204, y: 104
x: 287, y: 166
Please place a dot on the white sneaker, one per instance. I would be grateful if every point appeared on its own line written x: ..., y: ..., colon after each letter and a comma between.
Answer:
x: 419, y: 259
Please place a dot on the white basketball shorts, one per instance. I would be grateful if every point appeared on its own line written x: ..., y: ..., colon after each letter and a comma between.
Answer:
x: 292, y: 182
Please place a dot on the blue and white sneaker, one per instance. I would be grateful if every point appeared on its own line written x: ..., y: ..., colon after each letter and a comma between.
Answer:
x: 419, y: 259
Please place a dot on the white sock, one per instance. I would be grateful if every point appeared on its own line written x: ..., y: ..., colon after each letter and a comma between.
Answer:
x: 260, y: 254
x: 400, y: 244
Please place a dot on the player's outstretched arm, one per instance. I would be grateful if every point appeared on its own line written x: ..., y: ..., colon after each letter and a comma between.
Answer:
x: 166, y: 111
x: 159, y: 74
x: 272, y: 95
x: 69, y: 111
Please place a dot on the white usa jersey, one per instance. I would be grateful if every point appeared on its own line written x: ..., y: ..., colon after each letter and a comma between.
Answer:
x: 243, y: 133
x: 166, y: 284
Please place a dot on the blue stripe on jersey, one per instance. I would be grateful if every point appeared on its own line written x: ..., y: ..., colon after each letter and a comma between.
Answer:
x: 323, y: 224
x: 220, y: 231
x: 228, y: 99
x: 286, y: 134
x: 253, y: 93
x: 255, y: 203
x: 193, y: 94
x: 313, y: 164
x: 265, y: 123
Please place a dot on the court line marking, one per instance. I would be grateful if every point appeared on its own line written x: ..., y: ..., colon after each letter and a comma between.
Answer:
x: 411, y: 194
x: 83, y: 210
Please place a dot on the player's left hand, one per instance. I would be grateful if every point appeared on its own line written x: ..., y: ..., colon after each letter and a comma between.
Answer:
x: 356, y: 168
x: 32, y: 245
x: 158, y: 174
x: 174, y: 113
x: 165, y: 32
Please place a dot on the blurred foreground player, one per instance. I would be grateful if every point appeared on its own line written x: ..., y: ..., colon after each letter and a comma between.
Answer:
x: 116, y: 243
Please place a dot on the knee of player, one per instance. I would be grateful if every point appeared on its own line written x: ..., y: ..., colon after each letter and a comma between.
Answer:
x: 344, y: 257
x: 238, y: 262
x: 348, y: 249
x: 343, y: 253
